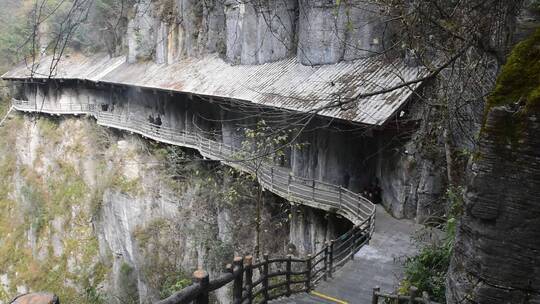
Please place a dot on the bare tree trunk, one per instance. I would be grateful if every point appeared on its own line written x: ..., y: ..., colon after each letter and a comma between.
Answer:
x: 258, y: 222
x: 449, y: 159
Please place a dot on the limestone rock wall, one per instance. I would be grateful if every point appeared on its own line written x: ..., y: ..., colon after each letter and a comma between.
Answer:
x: 255, y: 32
x: 94, y: 216
x: 329, y: 33
x: 411, y: 168
x: 312, y: 229
x: 496, y: 255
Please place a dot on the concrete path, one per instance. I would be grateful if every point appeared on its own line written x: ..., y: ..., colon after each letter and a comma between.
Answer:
x: 377, y: 264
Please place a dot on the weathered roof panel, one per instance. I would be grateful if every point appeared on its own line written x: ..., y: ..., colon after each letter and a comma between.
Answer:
x: 284, y: 84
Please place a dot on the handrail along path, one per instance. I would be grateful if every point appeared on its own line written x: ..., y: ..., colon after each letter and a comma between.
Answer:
x: 267, y: 279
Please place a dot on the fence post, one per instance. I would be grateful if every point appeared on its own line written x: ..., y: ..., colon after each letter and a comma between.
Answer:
x: 375, y: 296
x: 425, y: 297
x: 238, y: 267
x: 265, y: 278
x: 201, y: 277
x: 325, y: 275
x: 248, y: 261
x: 289, y: 185
x: 313, y: 191
x: 413, y: 293
x: 353, y: 242
x: 288, y: 274
x: 308, y: 273
x: 331, y: 259
x: 340, y: 190
x: 272, y: 178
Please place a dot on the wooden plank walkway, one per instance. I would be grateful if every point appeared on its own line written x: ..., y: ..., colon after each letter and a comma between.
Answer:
x: 377, y: 264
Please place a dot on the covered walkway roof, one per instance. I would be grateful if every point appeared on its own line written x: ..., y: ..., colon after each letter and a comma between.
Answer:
x: 285, y: 84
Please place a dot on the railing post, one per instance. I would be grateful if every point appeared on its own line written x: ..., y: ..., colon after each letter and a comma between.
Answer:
x: 238, y: 268
x: 340, y: 190
x: 289, y: 185
x: 313, y: 191
x: 353, y: 241
x: 272, y: 178
x: 308, y: 273
x: 331, y: 258
x: 265, y: 278
x: 425, y: 297
x: 248, y: 262
x: 375, y: 296
x: 325, y: 275
x: 413, y: 293
x: 201, y: 277
x: 288, y: 274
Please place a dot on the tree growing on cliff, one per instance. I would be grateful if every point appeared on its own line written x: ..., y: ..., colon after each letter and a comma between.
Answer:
x: 262, y: 148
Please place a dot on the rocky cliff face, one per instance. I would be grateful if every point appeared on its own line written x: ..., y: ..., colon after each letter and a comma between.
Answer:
x: 496, y: 252
x: 255, y: 32
x: 97, y: 216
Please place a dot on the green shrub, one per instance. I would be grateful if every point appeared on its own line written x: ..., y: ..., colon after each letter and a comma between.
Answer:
x: 173, y: 284
x: 127, y: 186
x: 427, y: 270
x: 128, y: 284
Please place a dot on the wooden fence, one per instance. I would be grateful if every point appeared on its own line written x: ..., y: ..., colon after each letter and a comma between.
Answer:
x: 268, y: 279
x: 259, y: 281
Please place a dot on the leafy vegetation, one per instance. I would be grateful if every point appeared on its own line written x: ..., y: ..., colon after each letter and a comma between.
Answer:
x: 161, y: 241
x: 14, y: 31
x: 174, y: 283
x: 27, y: 255
x: 128, y: 284
x: 427, y: 270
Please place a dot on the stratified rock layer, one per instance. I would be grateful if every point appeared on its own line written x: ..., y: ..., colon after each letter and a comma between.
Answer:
x: 497, y: 256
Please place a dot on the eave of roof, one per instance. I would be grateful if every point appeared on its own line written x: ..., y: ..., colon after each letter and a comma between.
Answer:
x: 285, y: 84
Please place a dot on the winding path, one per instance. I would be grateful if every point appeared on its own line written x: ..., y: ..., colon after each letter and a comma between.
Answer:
x: 376, y: 264
x: 279, y: 180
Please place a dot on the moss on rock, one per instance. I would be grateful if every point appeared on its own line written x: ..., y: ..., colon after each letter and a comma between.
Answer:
x: 519, y: 80
x: 518, y: 89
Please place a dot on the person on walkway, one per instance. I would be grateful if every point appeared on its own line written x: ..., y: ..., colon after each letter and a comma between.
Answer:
x: 158, y: 123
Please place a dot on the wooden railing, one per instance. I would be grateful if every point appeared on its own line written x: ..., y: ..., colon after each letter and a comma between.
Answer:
x: 412, y: 298
x: 268, y: 279
x: 258, y: 280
